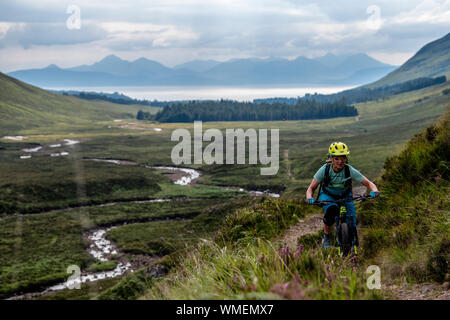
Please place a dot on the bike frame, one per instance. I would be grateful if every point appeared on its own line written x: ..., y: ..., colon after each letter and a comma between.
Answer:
x: 342, y: 218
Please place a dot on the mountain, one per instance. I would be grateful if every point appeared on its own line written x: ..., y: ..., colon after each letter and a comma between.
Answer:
x: 53, y: 76
x: 432, y: 60
x: 359, y: 64
x: 118, y: 67
x: 23, y: 106
x: 107, y: 73
x: 261, y: 71
x: 197, y: 65
x: 114, y: 71
x: 331, y: 60
x: 359, y: 61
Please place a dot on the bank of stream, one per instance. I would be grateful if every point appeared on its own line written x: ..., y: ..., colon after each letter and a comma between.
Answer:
x: 105, y: 250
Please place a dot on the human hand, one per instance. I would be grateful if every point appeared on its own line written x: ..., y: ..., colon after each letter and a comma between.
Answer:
x: 374, y: 194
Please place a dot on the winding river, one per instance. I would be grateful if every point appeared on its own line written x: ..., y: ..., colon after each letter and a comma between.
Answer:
x: 103, y: 249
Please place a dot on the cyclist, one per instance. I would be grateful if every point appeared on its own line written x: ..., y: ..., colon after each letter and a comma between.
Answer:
x: 335, y: 179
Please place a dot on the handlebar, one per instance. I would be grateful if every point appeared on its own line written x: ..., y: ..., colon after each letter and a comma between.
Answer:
x: 341, y: 201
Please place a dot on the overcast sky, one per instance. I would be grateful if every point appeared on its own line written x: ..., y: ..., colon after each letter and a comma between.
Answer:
x: 36, y: 33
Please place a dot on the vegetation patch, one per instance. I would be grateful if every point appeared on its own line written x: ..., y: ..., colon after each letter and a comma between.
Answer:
x: 163, y: 237
x: 406, y: 230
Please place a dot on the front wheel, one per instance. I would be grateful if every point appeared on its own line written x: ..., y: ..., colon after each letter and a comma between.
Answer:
x: 344, y: 238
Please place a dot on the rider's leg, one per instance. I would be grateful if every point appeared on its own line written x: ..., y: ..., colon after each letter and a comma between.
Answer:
x: 330, y: 210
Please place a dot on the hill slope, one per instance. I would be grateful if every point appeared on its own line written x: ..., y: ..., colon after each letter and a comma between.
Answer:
x: 430, y: 61
x: 23, y: 106
x: 405, y: 230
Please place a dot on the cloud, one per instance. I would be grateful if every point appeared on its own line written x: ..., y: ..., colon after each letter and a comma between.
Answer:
x: 427, y: 12
x: 46, y: 34
x: 174, y: 31
x: 139, y: 36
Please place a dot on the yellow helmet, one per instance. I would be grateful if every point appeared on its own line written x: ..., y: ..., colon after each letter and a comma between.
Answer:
x: 338, y: 149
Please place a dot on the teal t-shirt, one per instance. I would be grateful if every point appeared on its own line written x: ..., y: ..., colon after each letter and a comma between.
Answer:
x: 337, y: 179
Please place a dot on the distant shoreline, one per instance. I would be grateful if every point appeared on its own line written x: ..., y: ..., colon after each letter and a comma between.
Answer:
x: 180, y: 93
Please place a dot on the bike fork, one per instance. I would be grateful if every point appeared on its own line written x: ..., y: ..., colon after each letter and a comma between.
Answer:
x: 355, y: 239
x: 354, y: 232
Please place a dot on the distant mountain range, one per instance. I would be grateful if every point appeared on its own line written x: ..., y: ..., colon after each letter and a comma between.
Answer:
x: 113, y: 71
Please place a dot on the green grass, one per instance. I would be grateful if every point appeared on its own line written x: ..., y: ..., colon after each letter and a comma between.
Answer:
x: 406, y: 231
x: 430, y: 61
x: 35, y: 250
x: 23, y: 106
x: 87, y: 291
x: 42, y: 185
x: 381, y: 132
x: 248, y: 265
x: 164, y: 237
x: 265, y: 220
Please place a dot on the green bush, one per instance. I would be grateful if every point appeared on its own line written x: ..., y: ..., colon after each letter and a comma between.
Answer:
x: 129, y: 288
x: 264, y: 220
x: 438, y: 263
x: 411, y: 215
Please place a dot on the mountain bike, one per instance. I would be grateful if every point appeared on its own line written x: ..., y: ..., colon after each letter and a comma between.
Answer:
x: 346, y: 233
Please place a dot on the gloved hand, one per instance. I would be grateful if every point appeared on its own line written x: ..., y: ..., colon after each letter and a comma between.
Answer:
x: 310, y: 201
x: 374, y: 194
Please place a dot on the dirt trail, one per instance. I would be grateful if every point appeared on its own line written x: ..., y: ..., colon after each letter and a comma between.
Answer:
x: 311, y: 224
x: 421, y: 291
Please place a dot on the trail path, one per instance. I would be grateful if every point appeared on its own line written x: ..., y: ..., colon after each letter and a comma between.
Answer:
x: 422, y: 291
x: 311, y: 224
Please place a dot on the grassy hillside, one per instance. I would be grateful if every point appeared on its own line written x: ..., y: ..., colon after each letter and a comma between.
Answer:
x: 35, y: 249
x: 406, y: 232
x: 244, y: 261
x: 430, y: 61
x: 23, y: 106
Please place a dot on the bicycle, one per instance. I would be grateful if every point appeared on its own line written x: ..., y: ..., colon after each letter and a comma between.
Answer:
x: 347, y: 235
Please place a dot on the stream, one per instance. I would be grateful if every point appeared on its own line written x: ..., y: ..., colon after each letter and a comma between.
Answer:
x: 103, y: 249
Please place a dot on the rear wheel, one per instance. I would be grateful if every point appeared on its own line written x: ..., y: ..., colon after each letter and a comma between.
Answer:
x: 345, y: 238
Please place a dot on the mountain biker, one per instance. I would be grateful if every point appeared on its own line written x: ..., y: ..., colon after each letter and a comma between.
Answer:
x: 336, y: 179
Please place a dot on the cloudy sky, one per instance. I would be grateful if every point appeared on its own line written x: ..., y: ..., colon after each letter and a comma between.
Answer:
x: 38, y: 33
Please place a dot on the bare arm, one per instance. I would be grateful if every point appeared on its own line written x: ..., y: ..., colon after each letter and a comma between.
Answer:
x: 312, y: 187
x: 369, y: 184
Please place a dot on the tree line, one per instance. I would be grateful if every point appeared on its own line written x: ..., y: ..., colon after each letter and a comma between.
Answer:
x: 363, y: 94
x: 229, y: 110
x: 118, y: 98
